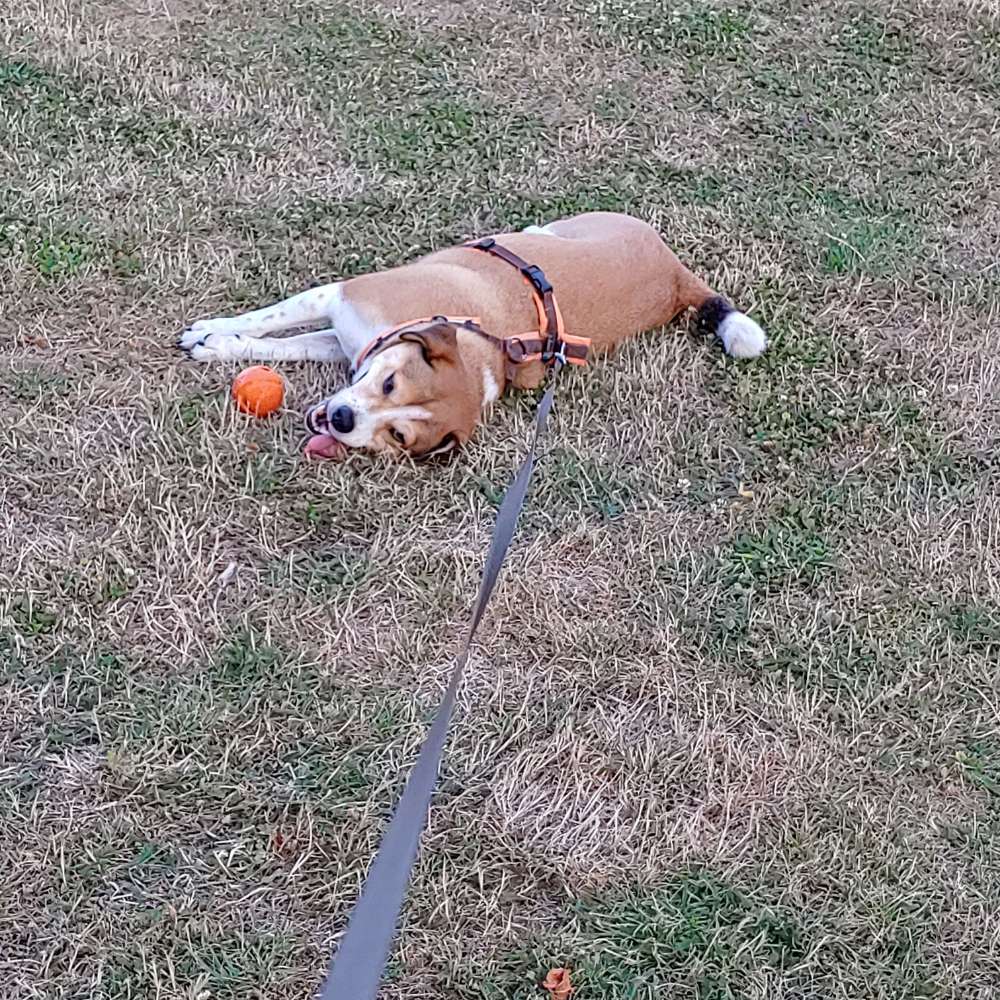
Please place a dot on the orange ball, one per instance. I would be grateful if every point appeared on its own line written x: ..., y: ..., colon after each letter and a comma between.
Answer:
x: 258, y: 391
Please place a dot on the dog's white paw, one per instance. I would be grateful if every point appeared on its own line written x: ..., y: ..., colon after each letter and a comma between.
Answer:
x: 217, y: 347
x: 196, y: 333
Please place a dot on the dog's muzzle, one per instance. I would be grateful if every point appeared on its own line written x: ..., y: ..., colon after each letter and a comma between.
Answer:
x: 328, y: 418
x: 317, y: 421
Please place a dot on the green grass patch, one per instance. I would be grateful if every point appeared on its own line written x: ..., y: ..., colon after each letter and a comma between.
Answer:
x: 189, y: 410
x: 793, y: 410
x: 322, y: 573
x: 700, y: 930
x: 24, y: 84
x: 792, y: 553
x: 76, y: 112
x: 77, y: 689
x: 247, y: 658
x: 621, y: 186
x: 975, y: 627
x: 17, y: 75
x: 787, y: 549
x: 575, y: 485
x: 63, y: 257
x: 870, y: 247
x: 30, y: 615
x: 34, y: 384
x: 441, y: 134
x: 980, y: 762
x: 268, y: 474
x: 655, y: 33
x: 697, y: 935
x: 230, y: 963
x: 701, y: 937
x: 99, y: 583
x: 868, y: 39
x: 57, y: 254
x: 367, y: 62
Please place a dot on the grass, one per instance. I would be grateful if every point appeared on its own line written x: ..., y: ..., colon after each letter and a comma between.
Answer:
x: 695, y: 933
x: 731, y: 728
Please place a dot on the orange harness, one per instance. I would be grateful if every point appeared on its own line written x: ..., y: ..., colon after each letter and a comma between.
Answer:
x: 549, y: 343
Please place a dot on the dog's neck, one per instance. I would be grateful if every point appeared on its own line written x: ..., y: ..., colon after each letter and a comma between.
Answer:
x: 483, y: 360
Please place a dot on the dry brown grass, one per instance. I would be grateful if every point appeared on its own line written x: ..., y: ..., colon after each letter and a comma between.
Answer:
x: 732, y: 725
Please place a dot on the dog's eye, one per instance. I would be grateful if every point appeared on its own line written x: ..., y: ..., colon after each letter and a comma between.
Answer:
x: 397, y: 437
x: 388, y: 385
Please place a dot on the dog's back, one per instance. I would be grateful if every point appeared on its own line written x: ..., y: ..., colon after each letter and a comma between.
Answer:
x: 613, y: 275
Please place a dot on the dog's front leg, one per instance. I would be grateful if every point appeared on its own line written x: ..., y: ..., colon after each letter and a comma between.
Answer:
x: 314, y: 305
x: 322, y: 345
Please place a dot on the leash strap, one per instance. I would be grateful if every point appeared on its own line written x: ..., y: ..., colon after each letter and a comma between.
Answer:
x: 356, y: 969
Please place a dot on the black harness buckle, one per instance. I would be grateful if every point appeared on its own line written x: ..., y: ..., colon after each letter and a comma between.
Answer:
x: 536, y: 276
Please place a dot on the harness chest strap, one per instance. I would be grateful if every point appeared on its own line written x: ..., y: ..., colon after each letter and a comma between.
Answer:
x: 551, y: 341
x: 548, y: 343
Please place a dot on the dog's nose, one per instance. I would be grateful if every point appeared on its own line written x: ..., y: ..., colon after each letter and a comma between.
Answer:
x: 342, y: 420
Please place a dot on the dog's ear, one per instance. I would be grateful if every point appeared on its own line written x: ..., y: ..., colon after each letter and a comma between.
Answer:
x: 438, y: 343
x: 445, y: 448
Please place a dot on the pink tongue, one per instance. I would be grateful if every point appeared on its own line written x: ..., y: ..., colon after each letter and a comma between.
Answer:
x: 324, y: 446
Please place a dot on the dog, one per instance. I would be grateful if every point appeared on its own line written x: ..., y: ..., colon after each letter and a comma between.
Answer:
x: 418, y: 387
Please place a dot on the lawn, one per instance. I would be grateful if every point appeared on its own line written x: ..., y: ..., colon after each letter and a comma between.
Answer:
x: 732, y: 727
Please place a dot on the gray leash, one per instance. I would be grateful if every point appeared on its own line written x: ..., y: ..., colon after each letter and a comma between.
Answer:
x: 356, y: 969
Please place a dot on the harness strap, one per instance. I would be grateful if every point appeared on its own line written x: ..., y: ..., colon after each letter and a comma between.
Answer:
x: 552, y: 340
x: 548, y: 344
x: 376, y: 343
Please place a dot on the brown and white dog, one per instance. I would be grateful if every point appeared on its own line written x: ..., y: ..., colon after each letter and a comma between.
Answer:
x: 423, y: 395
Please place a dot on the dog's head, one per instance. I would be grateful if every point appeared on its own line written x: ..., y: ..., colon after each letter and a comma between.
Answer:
x: 413, y: 396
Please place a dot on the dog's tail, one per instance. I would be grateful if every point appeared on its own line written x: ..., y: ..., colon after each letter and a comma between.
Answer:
x: 740, y: 335
x: 717, y: 317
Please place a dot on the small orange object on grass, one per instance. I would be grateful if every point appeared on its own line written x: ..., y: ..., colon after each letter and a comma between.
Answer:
x: 258, y: 391
x: 558, y: 984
